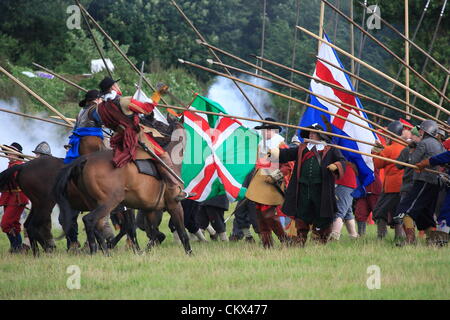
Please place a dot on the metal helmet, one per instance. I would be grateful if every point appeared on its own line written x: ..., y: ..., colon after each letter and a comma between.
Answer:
x: 396, y: 127
x: 430, y: 127
x: 43, y: 148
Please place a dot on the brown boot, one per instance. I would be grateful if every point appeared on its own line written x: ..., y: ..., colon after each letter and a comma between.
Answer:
x: 302, y: 232
x: 410, y: 235
x: 278, y: 229
x: 267, y: 240
x: 381, y: 229
x: 400, y: 235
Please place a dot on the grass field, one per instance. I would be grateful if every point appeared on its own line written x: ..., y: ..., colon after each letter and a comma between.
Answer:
x: 232, y: 271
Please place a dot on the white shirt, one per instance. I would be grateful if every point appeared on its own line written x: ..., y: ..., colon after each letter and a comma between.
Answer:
x: 319, y: 146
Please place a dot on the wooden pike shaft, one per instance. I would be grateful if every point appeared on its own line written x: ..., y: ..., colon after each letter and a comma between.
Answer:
x: 11, y: 157
x: 308, y: 129
x: 117, y: 48
x: 390, y: 95
x: 410, y: 42
x: 272, y: 122
x: 368, y: 66
x: 60, y: 77
x: 9, y: 150
x: 375, y: 156
x: 295, y: 100
x: 36, y: 118
x: 189, y: 22
x: 45, y: 103
x: 288, y: 81
x: 336, y: 103
x: 100, y: 51
x: 354, y: 93
x: 386, y: 49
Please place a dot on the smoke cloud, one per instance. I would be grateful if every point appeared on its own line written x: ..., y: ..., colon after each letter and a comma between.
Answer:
x: 225, y: 92
x: 29, y: 132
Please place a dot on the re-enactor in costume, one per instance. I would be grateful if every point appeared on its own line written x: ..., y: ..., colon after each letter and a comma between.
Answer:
x: 310, y: 196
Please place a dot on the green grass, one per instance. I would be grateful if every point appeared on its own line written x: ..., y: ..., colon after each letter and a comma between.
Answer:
x: 232, y: 271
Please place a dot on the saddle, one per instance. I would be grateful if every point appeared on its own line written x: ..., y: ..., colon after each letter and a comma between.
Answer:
x: 148, y: 167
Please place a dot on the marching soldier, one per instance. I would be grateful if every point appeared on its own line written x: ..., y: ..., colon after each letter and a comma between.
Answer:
x: 13, y: 201
x: 390, y: 197
x: 419, y: 205
x: 310, y: 196
x: 267, y: 187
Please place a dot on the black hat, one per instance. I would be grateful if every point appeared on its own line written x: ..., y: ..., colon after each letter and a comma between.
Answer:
x: 269, y: 126
x: 106, y: 84
x: 90, y: 96
x: 305, y: 133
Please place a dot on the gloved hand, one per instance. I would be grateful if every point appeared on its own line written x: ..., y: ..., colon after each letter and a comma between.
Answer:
x: 423, y: 164
x: 332, y: 167
x: 378, y: 148
x: 162, y: 88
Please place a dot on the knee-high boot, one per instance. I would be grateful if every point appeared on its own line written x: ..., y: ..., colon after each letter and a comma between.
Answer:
x: 302, y: 231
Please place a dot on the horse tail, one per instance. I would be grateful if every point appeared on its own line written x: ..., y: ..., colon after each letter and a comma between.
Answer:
x: 8, y: 177
x: 66, y: 174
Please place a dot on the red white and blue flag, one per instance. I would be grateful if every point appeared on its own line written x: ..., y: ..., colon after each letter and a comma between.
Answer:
x: 326, y: 72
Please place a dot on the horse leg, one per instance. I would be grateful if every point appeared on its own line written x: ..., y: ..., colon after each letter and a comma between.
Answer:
x: 31, y: 233
x: 176, y: 212
x: 92, y: 232
x: 150, y: 229
x: 130, y: 226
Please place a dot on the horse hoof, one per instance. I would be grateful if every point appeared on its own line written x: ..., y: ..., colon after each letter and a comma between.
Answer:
x: 189, y: 252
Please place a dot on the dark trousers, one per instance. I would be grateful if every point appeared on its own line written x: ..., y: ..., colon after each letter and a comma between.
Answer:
x: 420, y: 204
x: 209, y: 214
x: 386, y: 206
x: 190, y: 211
x: 244, y: 216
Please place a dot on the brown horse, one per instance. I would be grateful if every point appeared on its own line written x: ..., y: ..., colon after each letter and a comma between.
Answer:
x: 36, y: 178
x: 92, y: 183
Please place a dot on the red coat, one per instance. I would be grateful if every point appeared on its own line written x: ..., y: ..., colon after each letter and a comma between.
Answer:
x: 13, y: 196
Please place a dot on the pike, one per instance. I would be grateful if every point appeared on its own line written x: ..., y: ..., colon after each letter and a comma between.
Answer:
x: 117, y: 48
x: 9, y: 150
x: 334, y: 102
x: 95, y: 40
x: 389, y: 95
x: 373, y: 156
x: 388, y: 50
x: 409, y: 41
x: 189, y: 22
x: 31, y: 92
x: 34, y: 117
x: 271, y: 122
x: 368, y: 66
x: 60, y: 77
x: 141, y: 75
x: 284, y: 79
x: 12, y: 158
x: 290, y: 98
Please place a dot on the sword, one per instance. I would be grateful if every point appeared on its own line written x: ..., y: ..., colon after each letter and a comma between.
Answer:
x: 149, y: 151
x: 141, y: 75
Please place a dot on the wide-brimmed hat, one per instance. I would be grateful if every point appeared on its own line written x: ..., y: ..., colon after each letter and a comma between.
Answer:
x: 16, y: 147
x: 269, y: 126
x: 106, y: 84
x: 305, y: 133
x: 90, y: 96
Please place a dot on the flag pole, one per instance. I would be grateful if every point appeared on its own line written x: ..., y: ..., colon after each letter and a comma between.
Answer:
x: 293, y: 99
x: 368, y: 66
x: 422, y: 78
x: 31, y: 92
x: 189, y: 22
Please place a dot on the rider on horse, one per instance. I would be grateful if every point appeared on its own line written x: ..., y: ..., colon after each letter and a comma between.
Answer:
x: 88, y: 123
x: 121, y: 114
